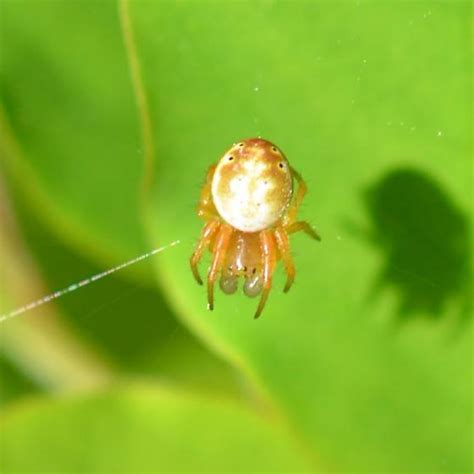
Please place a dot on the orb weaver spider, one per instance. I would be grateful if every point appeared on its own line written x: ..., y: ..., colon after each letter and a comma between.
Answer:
x: 250, y: 209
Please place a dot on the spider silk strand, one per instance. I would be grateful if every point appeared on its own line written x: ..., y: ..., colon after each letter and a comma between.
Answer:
x: 82, y: 283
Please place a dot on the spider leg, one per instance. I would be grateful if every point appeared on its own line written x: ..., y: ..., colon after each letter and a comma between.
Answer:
x: 208, y: 232
x: 302, y: 226
x: 289, y: 222
x: 206, y: 208
x: 220, y: 247
x: 269, y: 258
x: 297, y: 200
x: 283, y: 243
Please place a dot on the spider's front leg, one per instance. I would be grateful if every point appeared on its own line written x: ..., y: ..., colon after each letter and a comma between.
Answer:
x: 206, y: 210
x: 207, y: 234
x: 283, y: 242
x: 221, y: 244
x: 269, y: 259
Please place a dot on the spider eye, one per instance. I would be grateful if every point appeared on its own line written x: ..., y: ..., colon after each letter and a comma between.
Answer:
x: 274, y: 148
x: 241, y: 144
x: 230, y: 158
x: 281, y: 165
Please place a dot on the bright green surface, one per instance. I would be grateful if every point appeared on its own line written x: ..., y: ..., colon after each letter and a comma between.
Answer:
x: 339, y: 90
x: 67, y: 95
x: 130, y: 325
x: 143, y: 430
x: 368, y: 358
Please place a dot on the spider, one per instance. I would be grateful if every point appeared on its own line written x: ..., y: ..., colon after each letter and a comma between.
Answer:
x: 250, y: 208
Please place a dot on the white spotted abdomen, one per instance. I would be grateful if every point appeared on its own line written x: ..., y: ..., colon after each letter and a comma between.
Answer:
x: 250, y: 195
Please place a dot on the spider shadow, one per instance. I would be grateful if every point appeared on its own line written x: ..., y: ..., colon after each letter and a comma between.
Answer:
x: 425, y: 239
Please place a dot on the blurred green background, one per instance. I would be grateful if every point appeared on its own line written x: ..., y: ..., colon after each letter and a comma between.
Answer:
x: 110, y: 115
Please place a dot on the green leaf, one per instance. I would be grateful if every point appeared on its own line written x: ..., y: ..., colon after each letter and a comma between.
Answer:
x: 74, y: 160
x: 144, y: 429
x: 69, y: 128
x: 369, y: 354
x: 107, y: 330
x: 14, y: 383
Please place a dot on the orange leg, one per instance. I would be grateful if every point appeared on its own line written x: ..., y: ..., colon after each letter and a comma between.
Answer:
x: 221, y: 243
x: 303, y: 226
x: 206, y: 208
x: 289, y: 222
x: 298, y: 199
x: 269, y: 258
x: 208, y: 232
x: 283, y: 243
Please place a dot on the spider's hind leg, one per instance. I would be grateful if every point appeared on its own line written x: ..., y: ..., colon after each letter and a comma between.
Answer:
x: 206, y: 208
x: 289, y: 223
x: 304, y: 227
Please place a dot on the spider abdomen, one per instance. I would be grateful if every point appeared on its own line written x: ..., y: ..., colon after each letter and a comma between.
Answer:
x: 252, y: 185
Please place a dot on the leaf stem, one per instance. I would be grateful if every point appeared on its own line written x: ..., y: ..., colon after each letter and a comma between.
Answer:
x: 139, y: 93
